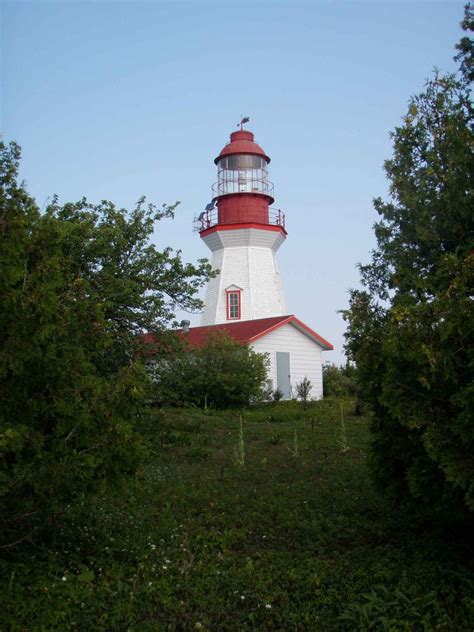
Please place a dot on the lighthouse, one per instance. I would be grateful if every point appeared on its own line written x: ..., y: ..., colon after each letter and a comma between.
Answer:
x: 245, y: 299
x: 243, y: 232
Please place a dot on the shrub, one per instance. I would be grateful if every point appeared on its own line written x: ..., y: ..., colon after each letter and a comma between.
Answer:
x: 277, y: 395
x: 303, y: 389
x: 223, y: 373
x: 339, y: 381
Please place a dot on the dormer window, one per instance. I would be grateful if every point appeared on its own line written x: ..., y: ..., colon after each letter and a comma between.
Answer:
x: 233, y: 304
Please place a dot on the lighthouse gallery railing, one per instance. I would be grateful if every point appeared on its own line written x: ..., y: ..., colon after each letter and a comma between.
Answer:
x: 208, y: 219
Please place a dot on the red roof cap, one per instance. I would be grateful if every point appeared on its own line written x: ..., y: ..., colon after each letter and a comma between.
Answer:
x: 242, y: 142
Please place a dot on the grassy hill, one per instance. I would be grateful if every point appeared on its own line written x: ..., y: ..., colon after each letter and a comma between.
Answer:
x: 268, y: 524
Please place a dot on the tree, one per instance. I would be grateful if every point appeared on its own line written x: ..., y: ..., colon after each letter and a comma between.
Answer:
x: 411, y: 329
x: 303, y: 389
x: 222, y: 373
x: 466, y: 46
x: 339, y: 381
x: 77, y: 284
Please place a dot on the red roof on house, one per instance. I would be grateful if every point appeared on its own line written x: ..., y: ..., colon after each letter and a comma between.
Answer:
x: 251, y: 330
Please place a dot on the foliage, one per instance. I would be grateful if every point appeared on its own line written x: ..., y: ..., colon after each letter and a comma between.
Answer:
x: 339, y: 381
x: 383, y: 610
x: 267, y: 392
x: 296, y: 449
x: 466, y: 45
x: 277, y: 395
x: 342, y: 381
x: 341, y: 434
x: 410, y: 331
x: 222, y: 373
x: 283, y: 543
x: 78, y: 282
x: 303, y: 390
x: 240, y: 449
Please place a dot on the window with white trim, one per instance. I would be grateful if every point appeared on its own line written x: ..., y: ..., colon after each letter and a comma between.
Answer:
x: 233, y: 305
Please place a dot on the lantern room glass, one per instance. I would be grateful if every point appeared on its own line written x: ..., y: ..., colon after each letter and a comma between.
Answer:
x: 242, y: 173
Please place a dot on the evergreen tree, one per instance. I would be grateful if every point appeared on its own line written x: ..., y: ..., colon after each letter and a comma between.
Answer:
x: 411, y: 330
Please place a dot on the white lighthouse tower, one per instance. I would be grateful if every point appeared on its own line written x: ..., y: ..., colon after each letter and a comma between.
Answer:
x: 244, y: 235
x: 246, y: 299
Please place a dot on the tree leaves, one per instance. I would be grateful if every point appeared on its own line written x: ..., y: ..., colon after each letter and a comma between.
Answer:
x: 79, y: 283
x: 221, y: 373
x: 411, y: 332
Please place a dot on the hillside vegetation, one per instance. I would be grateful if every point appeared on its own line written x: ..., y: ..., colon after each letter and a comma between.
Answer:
x: 267, y: 521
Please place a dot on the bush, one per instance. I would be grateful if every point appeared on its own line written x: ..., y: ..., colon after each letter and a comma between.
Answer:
x: 339, y: 381
x: 223, y: 373
x: 303, y: 390
x: 277, y: 395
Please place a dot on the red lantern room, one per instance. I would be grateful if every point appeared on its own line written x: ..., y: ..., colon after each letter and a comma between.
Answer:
x: 243, y: 194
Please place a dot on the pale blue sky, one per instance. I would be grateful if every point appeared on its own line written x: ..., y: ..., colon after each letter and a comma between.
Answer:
x: 121, y: 99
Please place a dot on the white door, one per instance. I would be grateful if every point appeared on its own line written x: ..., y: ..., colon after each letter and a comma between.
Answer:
x: 283, y: 373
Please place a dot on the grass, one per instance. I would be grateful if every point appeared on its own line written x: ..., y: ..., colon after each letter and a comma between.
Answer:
x: 291, y: 537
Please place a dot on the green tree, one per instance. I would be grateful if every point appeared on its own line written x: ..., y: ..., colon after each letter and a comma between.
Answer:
x: 411, y: 330
x: 77, y: 284
x: 222, y: 373
x: 303, y: 390
x: 466, y: 45
x: 339, y: 381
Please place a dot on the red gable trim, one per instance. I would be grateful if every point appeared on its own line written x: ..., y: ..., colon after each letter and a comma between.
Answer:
x: 299, y: 325
x: 252, y: 330
x: 286, y: 319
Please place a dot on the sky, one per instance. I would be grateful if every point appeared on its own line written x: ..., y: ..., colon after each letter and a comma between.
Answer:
x: 115, y: 100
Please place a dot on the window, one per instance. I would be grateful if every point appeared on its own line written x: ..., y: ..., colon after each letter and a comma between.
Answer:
x: 242, y: 173
x: 233, y: 304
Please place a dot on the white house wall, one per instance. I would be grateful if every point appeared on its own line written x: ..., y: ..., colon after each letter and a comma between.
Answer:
x: 305, y: 357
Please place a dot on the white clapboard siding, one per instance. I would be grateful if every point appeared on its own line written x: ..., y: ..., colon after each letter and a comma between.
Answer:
x: 212, y: 291
x: 305, y: 357
x: 246, y: 259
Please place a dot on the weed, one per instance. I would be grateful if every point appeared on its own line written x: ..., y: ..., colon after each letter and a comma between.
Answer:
x: 341, y: 433
x: 303, y: 390
x: 240, y: 451
x: 295, y: 443
x: 276, y: 439
x: 277, y: 395
x: 383, y: 609
x: 197, y: 453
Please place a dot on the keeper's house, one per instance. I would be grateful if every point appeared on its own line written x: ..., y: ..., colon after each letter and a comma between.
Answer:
x: 294, y: 350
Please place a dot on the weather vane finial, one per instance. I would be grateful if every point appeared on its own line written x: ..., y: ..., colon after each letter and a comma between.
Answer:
x: 243, y: 119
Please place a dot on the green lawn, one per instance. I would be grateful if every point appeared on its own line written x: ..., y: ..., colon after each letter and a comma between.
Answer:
x: 296, y: 538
